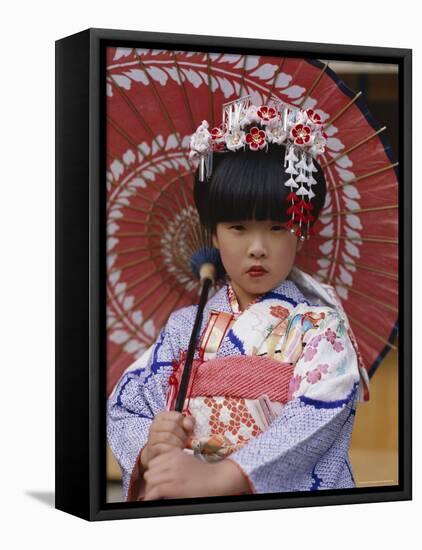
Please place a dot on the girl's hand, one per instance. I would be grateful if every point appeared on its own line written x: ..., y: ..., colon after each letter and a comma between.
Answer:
x: 176, y: 474
x: 169, y: 430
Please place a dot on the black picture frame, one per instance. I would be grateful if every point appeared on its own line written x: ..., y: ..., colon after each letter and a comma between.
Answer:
x: 80, y: 275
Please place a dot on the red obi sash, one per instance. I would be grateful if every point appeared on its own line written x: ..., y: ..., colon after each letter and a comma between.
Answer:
x: 242, y: 376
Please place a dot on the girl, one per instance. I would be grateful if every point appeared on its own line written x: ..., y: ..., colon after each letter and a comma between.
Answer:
x: 276, y: 374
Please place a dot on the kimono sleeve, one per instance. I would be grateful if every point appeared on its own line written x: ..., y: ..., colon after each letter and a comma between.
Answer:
x: 138, y: 396
x: 306, y: 447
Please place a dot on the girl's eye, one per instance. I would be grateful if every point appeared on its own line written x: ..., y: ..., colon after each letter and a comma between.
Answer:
x: 277, y: 228
x: 238, y: 227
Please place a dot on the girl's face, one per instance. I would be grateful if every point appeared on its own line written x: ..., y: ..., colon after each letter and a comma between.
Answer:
x: 267, y: 246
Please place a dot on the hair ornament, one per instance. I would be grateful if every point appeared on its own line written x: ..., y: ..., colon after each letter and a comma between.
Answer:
x: 248, y: 126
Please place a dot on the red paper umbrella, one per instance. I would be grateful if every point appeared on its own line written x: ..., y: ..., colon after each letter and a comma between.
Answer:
x: 155, y: 100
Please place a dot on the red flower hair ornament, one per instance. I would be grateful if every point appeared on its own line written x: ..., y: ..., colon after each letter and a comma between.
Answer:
x: 245, y: 125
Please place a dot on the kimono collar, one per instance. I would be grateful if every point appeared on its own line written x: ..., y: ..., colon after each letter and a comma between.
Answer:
x: 286, y: 290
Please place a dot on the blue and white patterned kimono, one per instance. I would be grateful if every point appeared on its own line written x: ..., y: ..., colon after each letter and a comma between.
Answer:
x: 275, y: 392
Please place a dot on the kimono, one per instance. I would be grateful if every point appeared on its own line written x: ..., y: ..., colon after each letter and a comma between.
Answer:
x: 274, y: 389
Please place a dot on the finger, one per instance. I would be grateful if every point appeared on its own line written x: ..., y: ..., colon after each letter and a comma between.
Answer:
x: 153, y: 494
x: 156, y: 485
x: 164, y: 444
x: 166, y: 459
x: 168, y: 438
x: 188, y: 423
x: 156, y: 477
x: 161, y: 492
x: 158, y: 450
x: 168, y: 426
x: 152, y: 478
x: 169, y: 415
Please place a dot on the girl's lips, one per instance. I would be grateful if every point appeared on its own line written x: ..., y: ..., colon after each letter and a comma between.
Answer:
x: 257, y: 269
x: 256, y: 273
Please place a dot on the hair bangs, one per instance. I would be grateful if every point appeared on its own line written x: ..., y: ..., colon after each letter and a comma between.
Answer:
x: 247, y: 191
x: 248, y: 185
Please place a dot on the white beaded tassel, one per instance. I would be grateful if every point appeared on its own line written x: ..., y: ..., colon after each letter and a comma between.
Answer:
x: 209, y: 164
x: 291, y: 158
x: 201, y: 168
x: 302, y: 191
x: 311, y: 181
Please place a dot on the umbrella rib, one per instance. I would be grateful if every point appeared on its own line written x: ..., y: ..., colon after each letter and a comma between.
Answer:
x: 156, y: 306
x: 181, y: 264
x: 314, y: 84
x: 185, y: 94
x: 144, y: 197
x: 192, y: 238
x: 142, y: 249
x: 139, y: 301
x: 138, y: 234
x: 189, y: 238
x: 162, y: 192
x: 206, y: 237
x: 154, y: 221
x: 143, y: 211
x: 141, y: 119
x: 376, y: 335
x: 353, y: 147
x: 112, y: 155
x: 343, y: 110
x: 142, y: 222
x: 359, y: 210
x: 194, y: 230
x: 139, y: 280
x: 120, y: 130
x: 131, y: 207
x: 137, y: 221
x: 135, y: 111
x: 129, y: 251
x: 210, y: 90
x: 163, y: 108
x: 128, y: 265
x: 359, y: 265
x: 298, y: 68
x: 280, y: 66
x: 169, y: 182
x: 131, y: 141
x: 360, y: 293
x: 371, y: 239
x: 176, y: 258
x: 368, y: 297
x: 193, y: 234
x: 147, y: 128
x: 242, y: 79
x: 369, y: 174
x: 199, y: 243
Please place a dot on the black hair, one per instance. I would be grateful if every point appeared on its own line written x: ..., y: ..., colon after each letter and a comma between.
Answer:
x: 247, y: 185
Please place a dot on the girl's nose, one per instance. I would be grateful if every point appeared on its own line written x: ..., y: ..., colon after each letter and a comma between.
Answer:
x: 257, y: 249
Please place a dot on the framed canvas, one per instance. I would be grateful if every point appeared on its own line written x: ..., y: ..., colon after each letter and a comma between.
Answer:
x: 143, y: 122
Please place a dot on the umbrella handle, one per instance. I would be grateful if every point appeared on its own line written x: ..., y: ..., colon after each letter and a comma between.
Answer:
x: 192, y: 345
